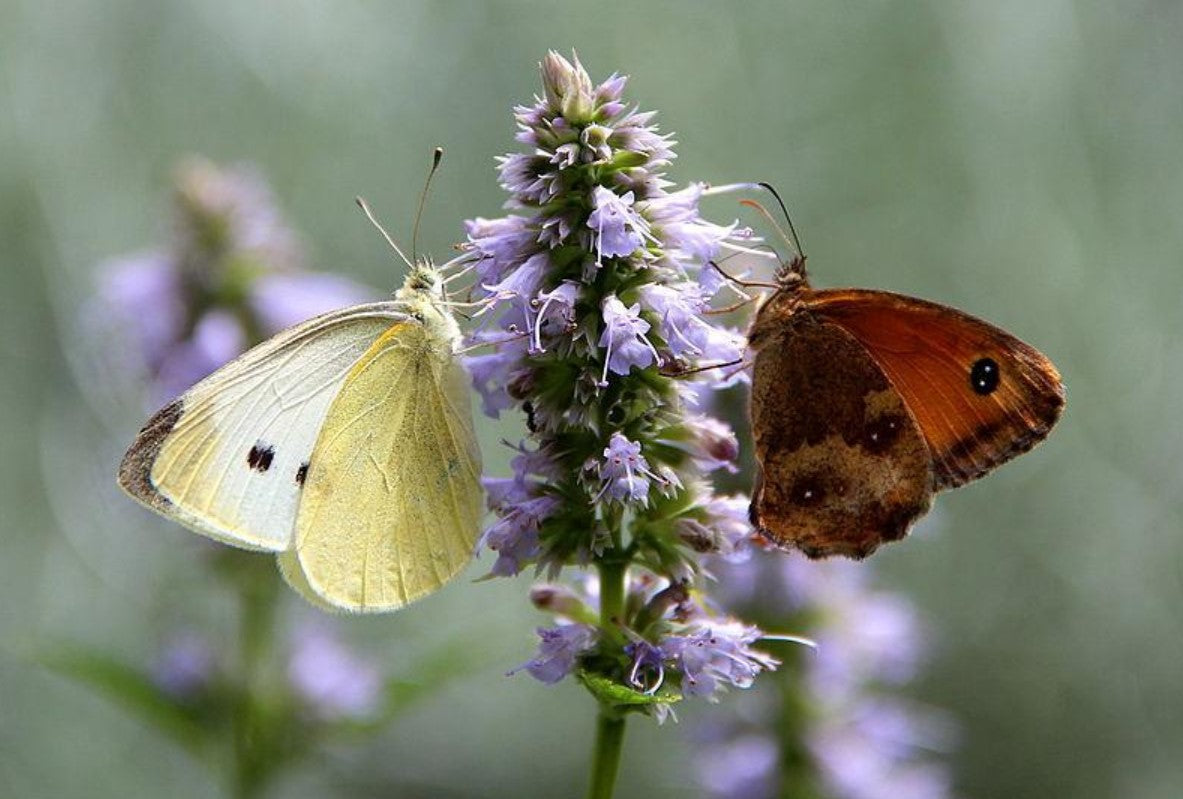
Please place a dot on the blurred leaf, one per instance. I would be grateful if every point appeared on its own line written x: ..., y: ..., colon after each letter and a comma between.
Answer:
x: 429, y: 675
x: 134, y: 691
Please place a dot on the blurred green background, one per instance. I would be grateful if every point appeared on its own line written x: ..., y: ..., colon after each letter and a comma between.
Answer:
x: 1020, y: 160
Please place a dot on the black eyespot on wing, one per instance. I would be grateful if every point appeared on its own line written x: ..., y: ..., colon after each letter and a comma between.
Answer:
x: 983, y: 376
x: 880, y: 434
x: 808, y: 491
x: 260, y: 456
x: 302, y: 474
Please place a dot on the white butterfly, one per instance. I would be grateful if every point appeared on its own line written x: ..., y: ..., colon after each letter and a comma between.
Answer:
x: 344, y: 444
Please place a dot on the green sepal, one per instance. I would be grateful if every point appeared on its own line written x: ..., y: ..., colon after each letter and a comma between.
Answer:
x: 624, y: 159
x: 610, y: 693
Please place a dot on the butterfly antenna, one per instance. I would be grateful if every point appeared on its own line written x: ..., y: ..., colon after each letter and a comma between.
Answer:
x: 789, y: 219
x: 365, y: 208
x: 436, y: 156
x: 795, y: 266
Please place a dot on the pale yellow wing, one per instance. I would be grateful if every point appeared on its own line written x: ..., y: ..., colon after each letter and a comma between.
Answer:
x: 392, y: 504
x: 227, y: 459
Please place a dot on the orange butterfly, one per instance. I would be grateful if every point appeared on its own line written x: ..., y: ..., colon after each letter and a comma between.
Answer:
x: 865, y: 403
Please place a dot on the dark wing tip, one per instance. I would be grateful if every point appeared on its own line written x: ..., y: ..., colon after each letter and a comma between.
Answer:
x: 135, y: 470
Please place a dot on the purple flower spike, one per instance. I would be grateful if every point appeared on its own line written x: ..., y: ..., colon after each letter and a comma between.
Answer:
x: 741, y: 768
x: 602, y: 271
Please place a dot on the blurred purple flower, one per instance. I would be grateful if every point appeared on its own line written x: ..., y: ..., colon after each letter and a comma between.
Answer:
x: 222, y: 210
x: 722, y: 530
x: 185, y: 667
x: 229, y: 277
x: 862, y: 742
x: 333, y: 681
x: 143, y: 295
x: 281, y: 299
x: 216, y: 338
x: 741, y: 768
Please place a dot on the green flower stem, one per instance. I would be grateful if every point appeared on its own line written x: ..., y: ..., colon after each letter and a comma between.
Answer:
x: 611, y: 593
x: 610, y: 722
x: 257, y: 601
x: 606, y: 755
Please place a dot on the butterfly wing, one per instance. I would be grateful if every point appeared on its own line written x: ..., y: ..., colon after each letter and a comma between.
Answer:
x: 980, y: 395
x: 392, y: 504
x: 225, y: 458
x: 843, y: 464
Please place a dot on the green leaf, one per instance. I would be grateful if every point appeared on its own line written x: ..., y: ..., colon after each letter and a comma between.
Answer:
x: 610, y: 692
x: 134, y: 691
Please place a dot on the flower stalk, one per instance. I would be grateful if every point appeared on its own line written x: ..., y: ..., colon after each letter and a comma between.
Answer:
x: 595, y: 291
x: 609, y: 745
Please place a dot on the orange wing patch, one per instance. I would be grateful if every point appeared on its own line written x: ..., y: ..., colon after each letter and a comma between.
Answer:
x: 979, y: 395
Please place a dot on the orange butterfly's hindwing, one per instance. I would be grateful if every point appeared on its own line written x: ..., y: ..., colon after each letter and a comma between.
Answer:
x: 844, y: 466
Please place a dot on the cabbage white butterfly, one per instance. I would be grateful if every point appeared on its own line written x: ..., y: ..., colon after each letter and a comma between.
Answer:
x: 344, y: 444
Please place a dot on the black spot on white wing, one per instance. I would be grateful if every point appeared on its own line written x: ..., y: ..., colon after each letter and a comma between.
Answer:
x: 302, y: 474
x: 260, y: 456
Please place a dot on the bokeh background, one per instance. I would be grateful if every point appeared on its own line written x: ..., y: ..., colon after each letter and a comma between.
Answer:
x: 1019, y: 160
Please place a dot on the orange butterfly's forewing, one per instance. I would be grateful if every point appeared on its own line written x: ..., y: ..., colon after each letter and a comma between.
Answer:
x: 928, y: 352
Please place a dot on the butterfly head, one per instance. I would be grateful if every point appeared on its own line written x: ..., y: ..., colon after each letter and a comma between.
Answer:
x: 791, y: 275
x: 423, y: 279
x: 422, y: 294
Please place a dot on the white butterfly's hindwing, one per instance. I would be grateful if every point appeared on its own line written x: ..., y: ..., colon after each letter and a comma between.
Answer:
x: 392, y: 505
x: 229, y: 457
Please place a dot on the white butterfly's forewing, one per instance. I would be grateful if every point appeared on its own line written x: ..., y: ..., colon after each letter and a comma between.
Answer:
x: 392, y: 505
x: 229, y: 457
